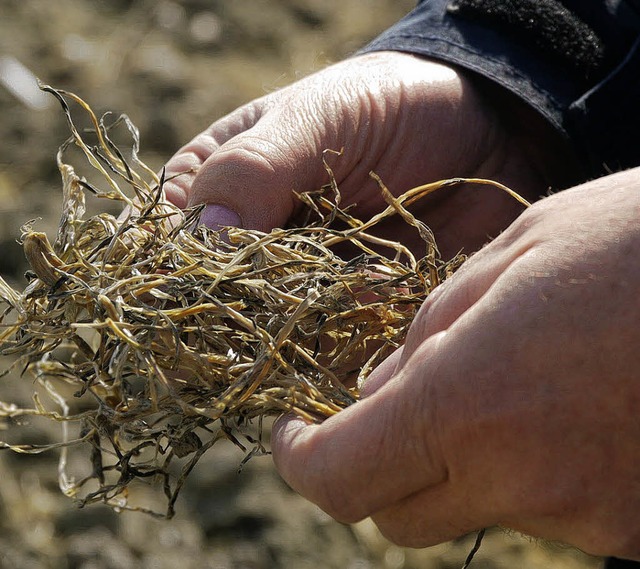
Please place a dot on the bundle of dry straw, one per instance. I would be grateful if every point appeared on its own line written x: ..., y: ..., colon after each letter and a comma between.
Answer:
x: 156, y: 336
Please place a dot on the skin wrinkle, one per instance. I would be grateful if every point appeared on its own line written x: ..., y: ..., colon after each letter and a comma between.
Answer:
x: 426, y: 407
x: 191, y: 158
x: 355, y: 511
x: 335, y: 135
x: 372, y: 145
x: 206, y: 144
x: 456, y: 424
x: 310, y: 458
x: 240, y: 120
x: 250, y: 115
x: 446, y: 419
x: 404, y: 119
x: 198, y: 151
x: 412, y: 453
x: 429, y: 407
x: 311, y: 468
x: 354, y: 139
x: 244, y: 156
x: 390, y: 102
x: 398, y: 522
x: 382, y: 89
x: 332, y: 498
x: 424, y: 326
x: 330, y: 494
x: 319, y: 453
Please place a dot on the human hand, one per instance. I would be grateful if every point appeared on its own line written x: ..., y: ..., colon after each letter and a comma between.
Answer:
x: 515, y: 400
x: 408, y: 119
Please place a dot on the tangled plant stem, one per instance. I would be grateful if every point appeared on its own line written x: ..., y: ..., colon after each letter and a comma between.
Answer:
x: 158, y: 336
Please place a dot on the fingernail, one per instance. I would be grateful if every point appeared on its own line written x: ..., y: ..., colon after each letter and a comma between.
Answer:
x: 217, y: 216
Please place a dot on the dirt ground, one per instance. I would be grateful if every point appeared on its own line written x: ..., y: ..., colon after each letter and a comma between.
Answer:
x: 173, y: 66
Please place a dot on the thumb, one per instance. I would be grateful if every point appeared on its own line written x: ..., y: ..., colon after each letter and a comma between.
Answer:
x: 349, y: 464
x: 249, y: 180
x: 182, y: 168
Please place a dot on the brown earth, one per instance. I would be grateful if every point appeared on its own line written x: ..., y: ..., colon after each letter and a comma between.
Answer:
x: 173, y: 66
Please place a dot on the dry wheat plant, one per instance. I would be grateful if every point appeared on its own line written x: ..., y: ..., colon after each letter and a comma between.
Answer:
x: 149, y: 337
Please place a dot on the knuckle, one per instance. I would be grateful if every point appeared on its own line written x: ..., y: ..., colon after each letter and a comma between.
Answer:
x: 333, y: 499
x: 398, y: 530
x: 309, y: 466
x: 246, y: 158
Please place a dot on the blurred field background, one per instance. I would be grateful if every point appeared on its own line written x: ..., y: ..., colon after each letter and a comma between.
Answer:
x: 174, y: 67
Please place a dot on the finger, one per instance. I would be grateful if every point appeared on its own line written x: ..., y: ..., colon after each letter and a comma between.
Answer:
x: 429, y: 517
x: 443, y: 307
x: 349, y: 464
x: 254, y: 174
x: 451, y: 300
x: 182, y: 168
x: 481, y: 403
x: 381, y: 374
x: 448, y: 508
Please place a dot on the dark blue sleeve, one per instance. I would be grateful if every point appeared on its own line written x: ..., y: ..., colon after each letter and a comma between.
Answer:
x: 577, y: 63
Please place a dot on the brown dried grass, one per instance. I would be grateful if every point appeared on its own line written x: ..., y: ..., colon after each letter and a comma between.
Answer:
x: 156, y: 336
